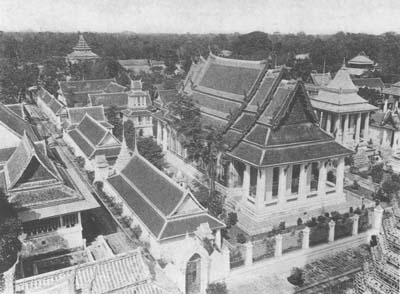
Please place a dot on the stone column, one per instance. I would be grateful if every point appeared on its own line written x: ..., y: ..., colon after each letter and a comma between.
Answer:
x: 231, y: 175
x: 322, y: 179
x: 396, y: 104
x: 338, y: 128
x: 328, y: 123
x: 321, y: 119
x: 278, y: 245
x: 249, y: 254
x: 303, y: 189
x: 345, y: 128
x: 165, y: 138
x: 355, y: 218
x: 366, y: 127
x: 246, y: 180
x: 331, y: 231
x: 306, y: 238
x: 158, y: 132
x: 385, y: 105
x: 289, y: 173
x: 340, y: 175
x: 218, y: 239
x: 282, y: 184
x: 358, y: 126
x: 378, y: 215
x: 268, y: 185
x: 260, y: 193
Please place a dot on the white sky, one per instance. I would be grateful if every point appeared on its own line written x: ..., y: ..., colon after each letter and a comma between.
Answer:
x: 201, y: 16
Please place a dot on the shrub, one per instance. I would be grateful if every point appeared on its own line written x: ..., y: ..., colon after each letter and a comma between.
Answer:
x: 99, y: 185
x: 80, y: 161
x: 377, y: 173
x: 90, y: 175
x: 127, y: 220
x: 349, y: 160
x: 137, y: 230
x: 390, y: 186
x: 351, y: 210
x: 296, y: 277
x: 299, y: 221
x: 119, y: 208
x: 355, y: 185
x: 282, y: 226
x: 232, y: 219
x: 217, y: 288
x: 241, y: 238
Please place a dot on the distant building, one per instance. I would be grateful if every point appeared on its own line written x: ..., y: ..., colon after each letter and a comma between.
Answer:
x: 317, y: 80
x: 136, y: 65
x: 385, y: 129
x: 76, y: 114
x: 360, y: 64
x: 391, y: 97
x: 90, y: 139
x: 370, y: 83
x: 82, y: 52
x: 50, y: 206
x: 342, y: 112
x: 303, y: 56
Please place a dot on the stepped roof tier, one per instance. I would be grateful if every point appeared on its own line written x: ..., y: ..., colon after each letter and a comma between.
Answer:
x: 361, y: 59
x: 125, y: 273
x: 76, y: 114
x: 283, y: 131
x: 120, y: 100
x: 340, y: 96
x: 15, y: 123
x: 82, y: 51
x: 220, y: 86
x: 39, y: 186
x: 164, y: 208
x: 372, y: 83
x: 76, y: 92
x: 393, y: 90
x: 93, y: 138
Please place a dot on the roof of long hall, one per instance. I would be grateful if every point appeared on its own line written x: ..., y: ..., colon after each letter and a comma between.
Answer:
x: 285, y: 130
x: 340, y: 96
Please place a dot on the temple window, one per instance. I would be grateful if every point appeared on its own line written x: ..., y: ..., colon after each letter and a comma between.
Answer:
x: 295, y: 178
x: 253, y: 181
x: 275, y: 181
x: 314, y: 176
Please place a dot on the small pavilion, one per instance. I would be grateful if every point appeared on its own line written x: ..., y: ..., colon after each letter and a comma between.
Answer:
x: 82, y: 52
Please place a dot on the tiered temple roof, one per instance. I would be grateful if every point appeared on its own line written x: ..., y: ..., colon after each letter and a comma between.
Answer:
x: 283, y: 131
x: 76, y: 114
x: 165, y: 208
x: 32, y: 180
x: 55, y: 105
x: 382, y: 273
x: 340, y: 96
x: 126, y: 273
x: 82, y: 51
x: 93, y: 138
x: 361, y: 59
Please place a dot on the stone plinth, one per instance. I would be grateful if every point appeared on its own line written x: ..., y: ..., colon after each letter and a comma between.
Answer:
x: 331, y: 231
x: 278, y: 245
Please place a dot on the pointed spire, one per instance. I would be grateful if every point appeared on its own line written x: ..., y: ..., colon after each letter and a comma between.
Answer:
x: 124, y: 155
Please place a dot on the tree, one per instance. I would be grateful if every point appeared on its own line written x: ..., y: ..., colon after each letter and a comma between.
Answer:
x: 129, y: 134
x: 296, y: 277
x: 10, y: 229
x: 113, y: 118
x: 371, y: 95
x: 377, y: 173
x: 390, y: 187
x: 217, y: 288
x: 149, y: 149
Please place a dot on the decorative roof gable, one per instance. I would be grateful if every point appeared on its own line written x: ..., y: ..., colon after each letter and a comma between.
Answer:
x: 76, y: 114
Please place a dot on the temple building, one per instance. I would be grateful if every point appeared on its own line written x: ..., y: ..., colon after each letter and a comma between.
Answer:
x: 381, y: 274
x: 50, y: 106
x: 82, y: 52
x: 317, y: 80
x: 391, y: 97
x: 360, y: 64
x: 49, y: 204
x: 91, y: 140
x: 385, y: 129
x: 342, y: 112
x: 179, y: 230
x: 280, y: 165
x: 76, y: 114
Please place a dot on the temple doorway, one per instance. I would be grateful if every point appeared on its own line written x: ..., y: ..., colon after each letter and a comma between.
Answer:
x: 193, y: 275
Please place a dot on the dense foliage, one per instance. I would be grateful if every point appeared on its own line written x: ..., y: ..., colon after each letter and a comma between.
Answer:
x: 10, y: 229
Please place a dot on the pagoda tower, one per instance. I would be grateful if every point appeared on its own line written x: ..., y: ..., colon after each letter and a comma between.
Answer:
x: 82, y: 52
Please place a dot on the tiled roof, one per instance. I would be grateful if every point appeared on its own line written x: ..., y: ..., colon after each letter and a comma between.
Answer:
x: 372, y: 83
x: 24, y: 155
x: 76, y: 114
x: 361, y: 58
x: 167, y: 96
x: 321, y: 79
x: 134, y: 62
x: 5, y: 153
x: 394, y: 90
x: 114, y: 88
x: 108, y: 152
x: 119, y: 100
x: 49, y: 100
x: 82, y: 143
x: 15, y: 123
x: 286, y: 131
x: 153, y: 197
x: 388, y: 120
x: 91, y: 130
x: 224, y: 107
x: 81, y: 45
x: 18, y: 109
x: 126, y: 273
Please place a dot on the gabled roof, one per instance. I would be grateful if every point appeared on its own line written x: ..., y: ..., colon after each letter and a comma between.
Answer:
x: 389, y: 120
x: 321, y: 79
x: 361, y: 58
x: 120, y: 100
x: 121, y: 274
x: 54, y: 105
x: 28, y: 155
x: 17, y: 108
x: 134, y: 62
x: 155, y: 198
x: 76, y: 114
x: 284, y: 132
x: 15, y: 123
x: 372, y: 83
x: 89, y: 136
x: 340, y: 96
x: 114, y: 87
